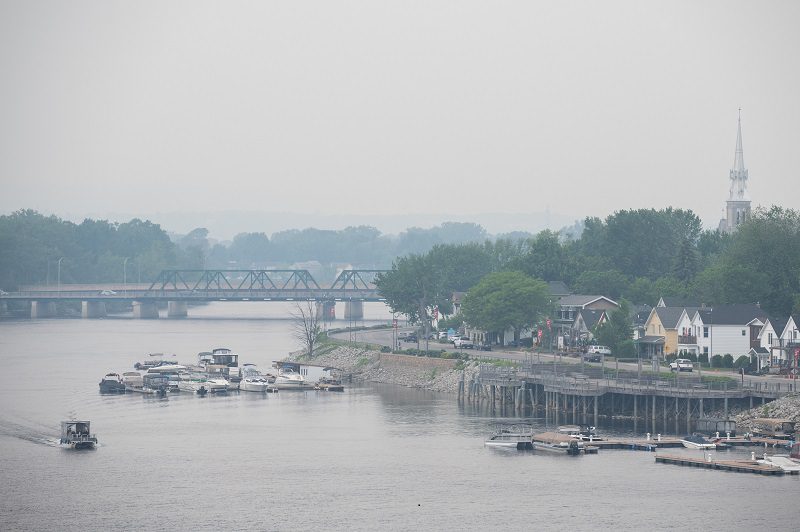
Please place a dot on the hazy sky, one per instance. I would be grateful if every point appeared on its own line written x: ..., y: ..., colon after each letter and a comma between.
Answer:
x: 378, y: 107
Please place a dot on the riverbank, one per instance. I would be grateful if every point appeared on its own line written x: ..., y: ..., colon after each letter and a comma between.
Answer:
x: 370, y: 365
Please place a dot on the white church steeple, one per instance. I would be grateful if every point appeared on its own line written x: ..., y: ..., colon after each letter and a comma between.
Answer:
x: 737, y: 209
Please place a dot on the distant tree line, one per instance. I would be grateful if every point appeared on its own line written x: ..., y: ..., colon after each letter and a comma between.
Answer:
x: 638, y: 255
x: 92, y: 251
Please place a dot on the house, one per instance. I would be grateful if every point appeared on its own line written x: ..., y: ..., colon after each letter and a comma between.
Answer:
x: 781, y: 339
x: 585, y: 323
x: 728, y: 329
x: 558, y: 289
x: 771, y: 352
x: 456, y: 299
x: 665, y: 322
x: 567, y: 309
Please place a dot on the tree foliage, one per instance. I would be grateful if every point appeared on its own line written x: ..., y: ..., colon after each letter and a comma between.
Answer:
x: 506, y: 300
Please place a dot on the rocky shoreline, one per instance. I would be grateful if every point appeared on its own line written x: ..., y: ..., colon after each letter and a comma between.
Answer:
x: 787, y: 407
x: 435, y: 374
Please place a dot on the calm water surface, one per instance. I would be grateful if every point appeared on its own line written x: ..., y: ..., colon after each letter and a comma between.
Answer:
x: 375, y: 457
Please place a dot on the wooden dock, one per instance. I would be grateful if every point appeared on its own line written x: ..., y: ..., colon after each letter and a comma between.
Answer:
x: 737, y: 466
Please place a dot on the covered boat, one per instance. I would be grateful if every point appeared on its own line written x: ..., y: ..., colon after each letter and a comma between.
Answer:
x: 112, y: 383
x: 77, y: 435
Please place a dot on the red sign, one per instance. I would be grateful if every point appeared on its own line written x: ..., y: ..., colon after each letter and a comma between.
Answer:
x: 548, y: 324
x: 540, y: 334
x: 394, y: 323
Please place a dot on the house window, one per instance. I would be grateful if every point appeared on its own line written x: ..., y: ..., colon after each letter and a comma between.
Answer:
x: 659, y: 329
x: 705, y: 332
x: 705, y: 350
x: 744, y: 333
x: 769, y: 338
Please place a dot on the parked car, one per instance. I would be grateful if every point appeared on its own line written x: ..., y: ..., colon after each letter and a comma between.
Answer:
x: 463, y: 343
x: 592, y: 357
x: 484, y: 347
x: 681, y: 364
x: 598, y: 349
x: 410, y: 338
x: 107, y: 293
x: 442, y: 335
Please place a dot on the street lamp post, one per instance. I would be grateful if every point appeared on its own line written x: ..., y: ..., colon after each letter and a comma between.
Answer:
x: 59, y: 275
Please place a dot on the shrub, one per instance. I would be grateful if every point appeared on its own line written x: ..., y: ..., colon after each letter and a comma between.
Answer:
x: 626, y: 349
x: 386, y: 349
x: 669, y: 359
x: 690, y: 356
x: 742, y: 362
x: 716, y: 361
x: 727, y: 360
x: 703, y: 359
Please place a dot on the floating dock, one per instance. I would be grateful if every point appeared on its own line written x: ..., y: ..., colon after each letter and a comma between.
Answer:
x: 737, y: 466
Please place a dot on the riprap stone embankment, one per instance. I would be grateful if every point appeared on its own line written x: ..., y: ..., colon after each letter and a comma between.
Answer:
x: 436, y: 374
x: 787, y: 407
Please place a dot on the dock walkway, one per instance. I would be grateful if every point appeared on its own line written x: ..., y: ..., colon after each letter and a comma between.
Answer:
x: 737, y: 466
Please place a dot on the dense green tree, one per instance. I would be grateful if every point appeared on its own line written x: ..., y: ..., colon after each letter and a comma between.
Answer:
x: 506, y: 300
x: 616, y: 332
x: 609, y: 283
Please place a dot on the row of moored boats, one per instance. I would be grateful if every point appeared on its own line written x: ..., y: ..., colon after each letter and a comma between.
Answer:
x: 214, y: 372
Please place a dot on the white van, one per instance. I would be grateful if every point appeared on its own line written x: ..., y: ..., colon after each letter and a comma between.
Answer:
x: 598, y: 349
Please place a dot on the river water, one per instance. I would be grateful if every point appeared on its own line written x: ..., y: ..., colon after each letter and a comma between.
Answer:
x: 374, y: 457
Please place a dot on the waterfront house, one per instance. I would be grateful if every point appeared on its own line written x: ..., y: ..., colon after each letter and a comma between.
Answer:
x: 780, y: 337
x: 729, y: 329
x: 639, y: 319
x: 585, y: 323
x: 664, y: 322
x: 567, y: 309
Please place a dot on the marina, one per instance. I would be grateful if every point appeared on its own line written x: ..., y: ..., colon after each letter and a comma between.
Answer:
x: 736, y: 466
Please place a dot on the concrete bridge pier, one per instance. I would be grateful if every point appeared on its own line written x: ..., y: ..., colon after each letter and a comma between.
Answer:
x: 145, y: 310
x: 93, y: 309
x: 177, y: 309
x: 354, y: 310
x: 43, y: 309
x: 326, y: 310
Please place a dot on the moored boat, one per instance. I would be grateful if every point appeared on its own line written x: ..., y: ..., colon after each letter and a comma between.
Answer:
x: 329, y: 384
x: 511, y: 436
x: 571, y: 447
x: 288, y: 379
x: 697, y: 441
x: 580, y: 432
x: 112, y: 383
x: 77, y: 435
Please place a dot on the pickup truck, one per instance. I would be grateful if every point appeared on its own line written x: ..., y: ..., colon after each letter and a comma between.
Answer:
x: 463, y: 343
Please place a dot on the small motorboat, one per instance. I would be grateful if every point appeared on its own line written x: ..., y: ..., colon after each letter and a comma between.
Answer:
x: 112, y: 383
x: 511, y: 436
x: 76, y: 435
x: 571, y: 448
x: 580, y: 432
x: 697, y: 441
x: 288, y: 379
x: 253, y: 381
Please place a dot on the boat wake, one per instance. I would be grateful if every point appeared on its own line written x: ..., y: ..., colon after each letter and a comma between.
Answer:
x: 27, y: 433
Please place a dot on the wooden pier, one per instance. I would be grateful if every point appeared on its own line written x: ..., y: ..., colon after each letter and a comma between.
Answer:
x: 736, y: 466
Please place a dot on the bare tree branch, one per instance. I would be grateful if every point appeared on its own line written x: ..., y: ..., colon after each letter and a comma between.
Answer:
x: 306, y: 327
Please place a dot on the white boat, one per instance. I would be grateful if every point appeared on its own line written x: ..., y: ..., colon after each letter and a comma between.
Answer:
x: 253, y: 380
x: 132, y: 379
x: 580, y: 432
x: 782, y: 461
x: 572, y: 447
x: 193, y: 383
x: 697, y: 441
x: 218, y: 385
x: 256, y: 383
x: 511, y: 436
x: 76, y: 435
x: 288, y: 379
